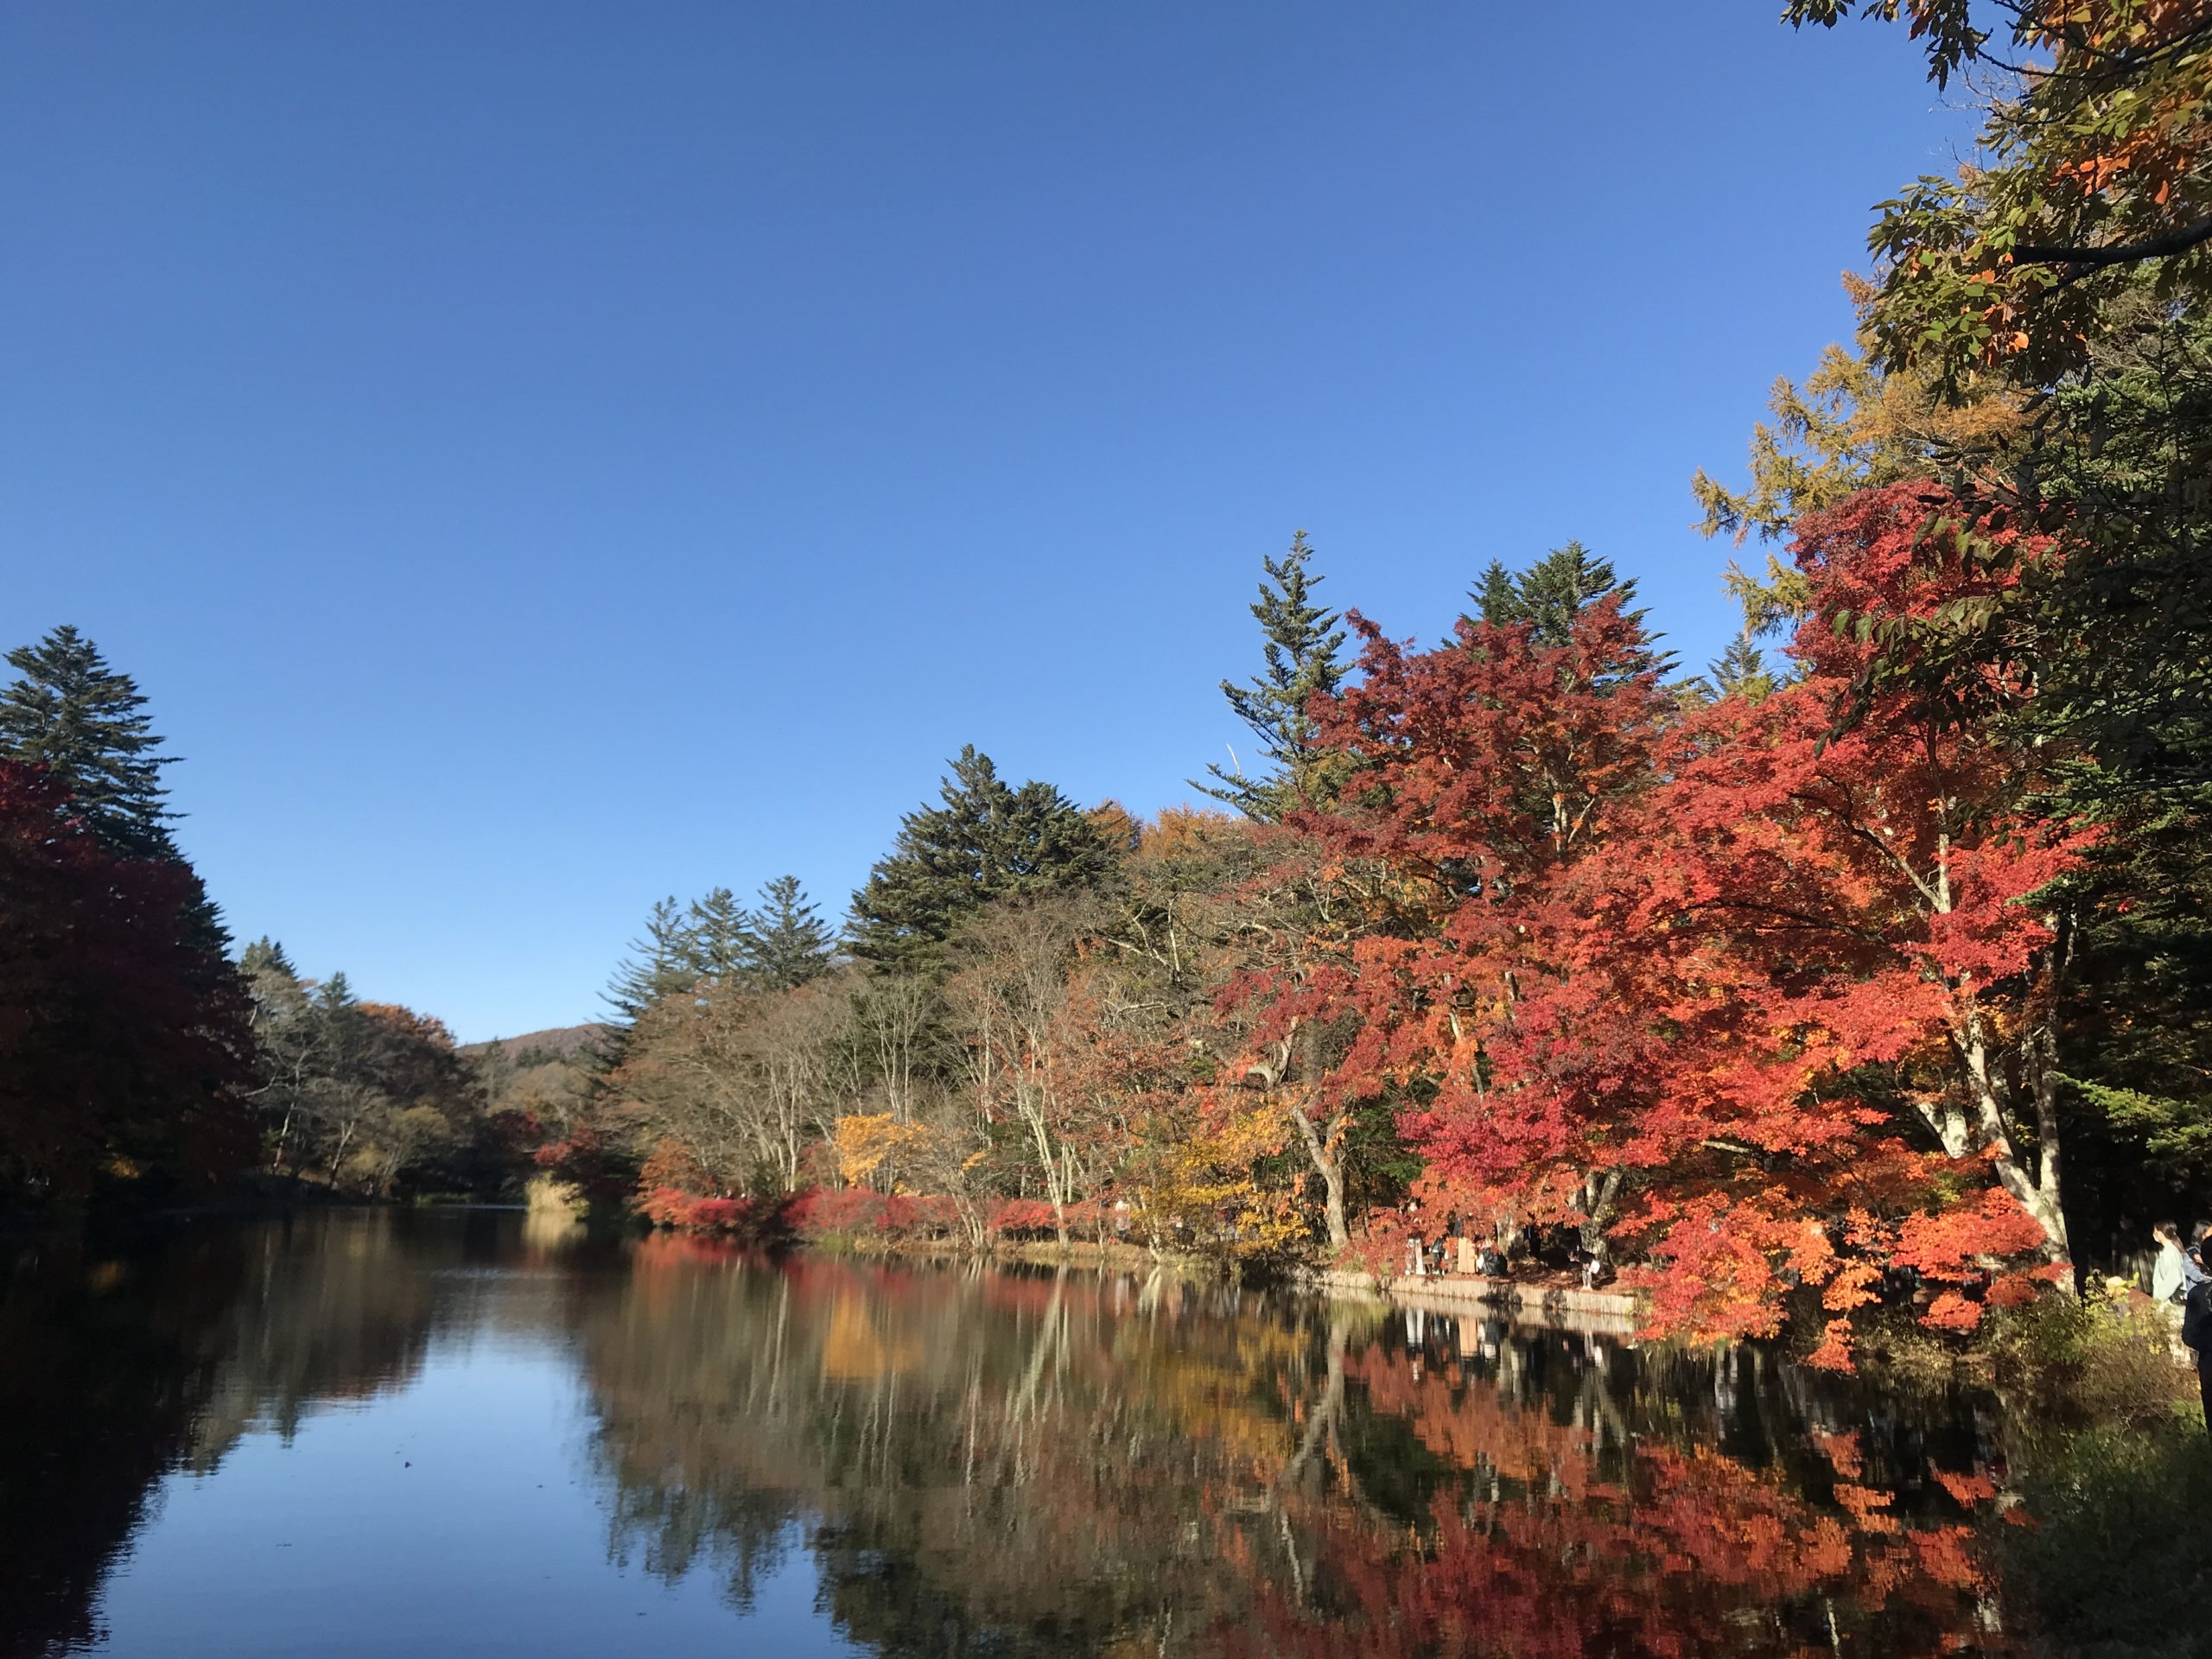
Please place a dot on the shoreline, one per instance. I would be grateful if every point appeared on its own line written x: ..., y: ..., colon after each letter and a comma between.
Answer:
x: 1592, y: 1313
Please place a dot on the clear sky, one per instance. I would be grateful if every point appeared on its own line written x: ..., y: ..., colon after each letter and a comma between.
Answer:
x: 537, y: 457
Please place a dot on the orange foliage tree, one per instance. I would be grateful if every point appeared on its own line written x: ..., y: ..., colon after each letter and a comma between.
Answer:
x: 1759, y: 990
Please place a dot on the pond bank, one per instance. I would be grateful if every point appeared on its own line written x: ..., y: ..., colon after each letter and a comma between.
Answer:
x: 1593, y: 1312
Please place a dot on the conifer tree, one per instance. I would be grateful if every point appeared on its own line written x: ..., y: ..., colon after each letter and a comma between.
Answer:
x: 987, y: 841
x: 335, y: 995
x: 85, y: 724
x: 1739, y: 672
x: 266, y: 957
x: 791, y: 946
x: 1498, y: 596
x: 1551, y: 593
x: 719, y: 938
x: 665, y: 960
x: 1300, y: 651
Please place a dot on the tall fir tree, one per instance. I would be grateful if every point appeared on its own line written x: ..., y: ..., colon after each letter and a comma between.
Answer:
x: 988, y: 840
x: 335, y: 995
x: 266, y: 956
x: 1553, y: 592
x: 663, y: 961
x: 719, y: 938
x: 1739, y: 672
x: 86, y: 724
x: 1301, y: 650
x: 1496, y: 593
x: 791, y: 944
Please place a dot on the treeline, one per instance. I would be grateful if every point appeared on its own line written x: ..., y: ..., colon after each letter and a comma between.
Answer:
x: 138, y: 1056
x: 1771, y: 982
x: 1869, y: 966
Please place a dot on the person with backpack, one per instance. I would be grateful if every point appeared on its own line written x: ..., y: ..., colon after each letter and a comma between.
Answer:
x: 2196, y: 1333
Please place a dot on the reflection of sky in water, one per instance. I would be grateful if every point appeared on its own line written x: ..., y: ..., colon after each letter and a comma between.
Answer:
x: 458, y: 1514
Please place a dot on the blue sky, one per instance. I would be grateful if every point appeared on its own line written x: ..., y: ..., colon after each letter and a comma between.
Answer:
x: 539, y: 457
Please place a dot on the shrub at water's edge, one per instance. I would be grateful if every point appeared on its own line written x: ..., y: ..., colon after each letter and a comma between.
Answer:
x: 859, y: 1219
x: 2102, y: 1551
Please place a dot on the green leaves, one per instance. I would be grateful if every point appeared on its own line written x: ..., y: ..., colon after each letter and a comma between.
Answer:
x: 85, y: 724
x: 1301, y: 648
x: 2093, y: 160
x: 987, y: 840
x: 2170, y: 1126
x: 780, y: 946
x: 1946, y: 25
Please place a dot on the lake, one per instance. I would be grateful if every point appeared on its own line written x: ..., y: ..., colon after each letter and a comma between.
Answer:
x: 453, y: 1433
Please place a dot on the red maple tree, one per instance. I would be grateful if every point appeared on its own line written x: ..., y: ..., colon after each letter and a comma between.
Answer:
x: 1758, y: 989
x: 123, y: 1037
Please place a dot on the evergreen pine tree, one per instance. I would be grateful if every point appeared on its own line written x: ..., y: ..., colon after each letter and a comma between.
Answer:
x: 266, y: 957
x: 1498, y: 596
x: 85, y: 724
x: 1740, y: 671
x: 719, y: 940
x: 335, y: 995
x: 1300, y: 651
x: 1553, y: 592
x: 664, y: 962
x: 791, y: 944
x: 987, y: 841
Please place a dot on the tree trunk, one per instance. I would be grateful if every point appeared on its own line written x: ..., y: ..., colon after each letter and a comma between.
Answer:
x: 1987, y: 1089
x: 1599, y: 1193
x: 2039, y: 1198
x: 1329, y: 1167
x: 1054, y: 1187
x: 2039, y: 1066
x: 1319, y: 1143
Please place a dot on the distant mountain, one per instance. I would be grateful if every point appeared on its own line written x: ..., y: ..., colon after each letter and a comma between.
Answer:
x: 560, y: 1039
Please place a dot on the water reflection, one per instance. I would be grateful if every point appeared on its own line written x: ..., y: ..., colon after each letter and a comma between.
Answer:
x: 964, y: 1461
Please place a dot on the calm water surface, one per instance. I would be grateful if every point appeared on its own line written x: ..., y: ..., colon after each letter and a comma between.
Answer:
x: 445, y: 1434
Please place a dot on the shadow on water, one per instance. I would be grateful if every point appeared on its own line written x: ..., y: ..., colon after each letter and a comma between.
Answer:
x: 1021, y: 1462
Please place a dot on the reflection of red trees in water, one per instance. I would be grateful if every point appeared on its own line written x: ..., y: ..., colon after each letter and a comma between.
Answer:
x: 1079, y: 1464
x: 1563, y: 1542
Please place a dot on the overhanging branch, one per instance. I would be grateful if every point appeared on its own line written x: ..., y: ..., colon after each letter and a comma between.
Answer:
x: 2083, y: 261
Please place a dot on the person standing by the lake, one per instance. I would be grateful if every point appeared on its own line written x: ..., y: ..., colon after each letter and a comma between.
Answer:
x: 1453, y: 1255
x: 2196, y: 1332
x: 2170, y: 1274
